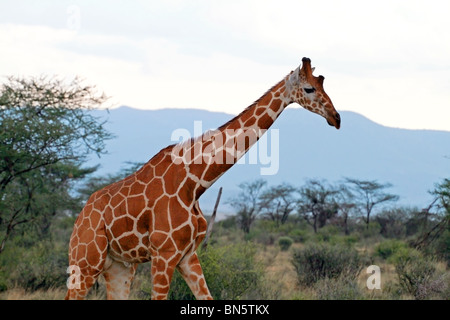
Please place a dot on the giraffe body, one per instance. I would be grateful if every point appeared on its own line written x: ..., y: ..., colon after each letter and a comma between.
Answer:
x: 154, y: 215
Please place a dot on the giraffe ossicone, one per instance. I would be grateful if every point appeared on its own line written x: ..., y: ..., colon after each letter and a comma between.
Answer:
x: 154, y: 214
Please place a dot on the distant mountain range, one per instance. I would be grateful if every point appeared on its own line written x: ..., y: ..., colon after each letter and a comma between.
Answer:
x: 412, y: 160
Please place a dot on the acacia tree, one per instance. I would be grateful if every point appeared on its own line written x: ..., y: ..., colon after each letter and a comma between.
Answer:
x: 247, y: 203
x: 317, y: 203
x: 346, y: 205
x: 368, y: 194
x: 437, y: 218
x: 278, y: 202
x: 46, y: 132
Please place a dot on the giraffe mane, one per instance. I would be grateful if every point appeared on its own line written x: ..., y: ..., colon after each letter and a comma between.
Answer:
x: 253, y: 104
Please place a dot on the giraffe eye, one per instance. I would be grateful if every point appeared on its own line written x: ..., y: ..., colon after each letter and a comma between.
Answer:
x: 309, y: 90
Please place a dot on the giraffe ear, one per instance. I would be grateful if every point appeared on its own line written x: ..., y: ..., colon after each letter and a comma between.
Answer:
x: 320, y: 79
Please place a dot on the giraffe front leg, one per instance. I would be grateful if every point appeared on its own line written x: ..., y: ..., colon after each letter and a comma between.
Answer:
x: 189, y: 267
x: 163, y: 266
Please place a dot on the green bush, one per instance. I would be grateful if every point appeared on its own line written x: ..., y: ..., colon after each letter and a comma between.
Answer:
x: 418, y: 275
x: 42, y: 266
x: 285, y: 243
x: 315, y: 262
x: 389, y: 248
x: 299, y: 235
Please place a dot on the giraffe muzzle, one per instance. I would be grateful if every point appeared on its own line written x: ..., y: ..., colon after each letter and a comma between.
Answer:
x: 335, y: 120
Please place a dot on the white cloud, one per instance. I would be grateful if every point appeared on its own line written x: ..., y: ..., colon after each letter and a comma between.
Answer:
x: 387, y: 60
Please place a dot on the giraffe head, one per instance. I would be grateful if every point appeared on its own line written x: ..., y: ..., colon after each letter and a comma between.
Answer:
x: 307, y: 90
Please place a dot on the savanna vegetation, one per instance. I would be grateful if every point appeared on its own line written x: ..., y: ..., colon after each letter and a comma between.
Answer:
x: 312, y: 240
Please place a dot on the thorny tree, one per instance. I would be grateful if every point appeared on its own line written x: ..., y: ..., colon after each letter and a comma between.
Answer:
x: 46, y: 132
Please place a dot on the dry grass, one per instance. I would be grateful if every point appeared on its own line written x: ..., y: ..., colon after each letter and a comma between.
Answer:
x: 280, y: 274
x: 280, y: 277
x: 22, y: 294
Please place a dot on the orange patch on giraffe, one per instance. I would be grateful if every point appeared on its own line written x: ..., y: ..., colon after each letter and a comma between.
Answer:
x: 93, y: 255
x: 157, y: 239
x: 125, y: 191
x: 248, y: 114
x: 161, y: 168
x: 233, y: 125
x: 145, y: 174
x: 212, y: 172
x: 101, y: 241
x: 120, y: 210
x: 142, y: 252
x: 82, y: 263
x: 259, y: 111
x: 87, y: 236
x: 116, y: 200
x: 95, y: 219
x: 100, y: 203
x: 161, y: 208
x: 265, y: 99
x: 275, y: 105
x: 250, y: 122
x: 196, y: 268
x: 135, y: 205
x: 108, y: 215
x: 128, y: 242
x: 153, y: 191
x: 178, y: 214
x: 81, y: 252
x: 197, y: 169
x: 100, y: 193
x: 182, y: 237
x: 193, y: 277
x: 122, y: 225
x: 174, y: 176
x: 137, y: 188
x: 161, y: 279
x: 128, y: 181
x: 162, y: 222
x: 143, y: 223
x: 265, y: 121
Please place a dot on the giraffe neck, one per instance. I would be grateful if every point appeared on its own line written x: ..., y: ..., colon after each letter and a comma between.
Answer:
x: 216, y: 151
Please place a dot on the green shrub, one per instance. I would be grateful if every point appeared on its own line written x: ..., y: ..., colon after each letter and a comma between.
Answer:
x: 326, y: 233
x: 418, y: 275
x: 315, y: 262
x: 285, y: 243
x: 299, y: 235
x: 42, y: 266
x: 389, y: 248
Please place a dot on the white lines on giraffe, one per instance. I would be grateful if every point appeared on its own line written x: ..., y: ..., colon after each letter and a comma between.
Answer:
x: 229, y: 146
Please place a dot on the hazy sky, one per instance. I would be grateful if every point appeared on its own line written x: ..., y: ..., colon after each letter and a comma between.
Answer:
x: 388, y: 60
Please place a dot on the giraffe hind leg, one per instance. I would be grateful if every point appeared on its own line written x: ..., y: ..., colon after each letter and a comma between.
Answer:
x: 191, y: 271
x: 118, y: 278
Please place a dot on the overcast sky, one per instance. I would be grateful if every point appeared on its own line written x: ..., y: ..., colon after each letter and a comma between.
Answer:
x: 387, y: 60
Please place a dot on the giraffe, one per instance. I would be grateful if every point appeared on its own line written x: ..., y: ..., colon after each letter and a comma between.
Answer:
x: 154, y: 214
